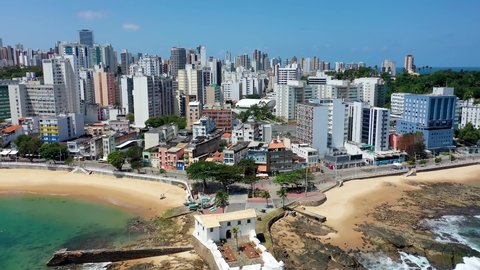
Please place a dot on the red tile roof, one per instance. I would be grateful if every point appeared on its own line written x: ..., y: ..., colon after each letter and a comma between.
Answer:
x: 11, y: 129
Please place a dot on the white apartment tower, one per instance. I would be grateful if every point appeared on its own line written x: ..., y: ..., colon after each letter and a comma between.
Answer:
x: 152, y: 96
x: 64, y: 70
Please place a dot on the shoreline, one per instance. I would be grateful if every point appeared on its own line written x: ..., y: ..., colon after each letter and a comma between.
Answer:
x: 137, y: 196
x: 349, y: 206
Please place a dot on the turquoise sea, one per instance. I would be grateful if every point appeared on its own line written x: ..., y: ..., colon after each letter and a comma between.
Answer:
x: 33, y: 227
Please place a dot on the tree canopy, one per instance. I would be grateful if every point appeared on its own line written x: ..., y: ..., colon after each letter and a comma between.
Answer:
x: 221, y: 199
x: 469, y: 135
x: 54, y: 151
x: 28, y: 146
x: 116, y: 159
x: 351, y: 74
x: 260, y: 112
x: 162, y: 120
x: 296, y: 177
x: 8, y: 73
x: 222, y: 173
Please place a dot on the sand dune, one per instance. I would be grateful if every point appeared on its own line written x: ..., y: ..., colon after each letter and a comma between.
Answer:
x: 139, y: 196
x: 347, y: 206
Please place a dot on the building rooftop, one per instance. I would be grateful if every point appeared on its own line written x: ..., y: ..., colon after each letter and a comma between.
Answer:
x: 248, y: 102
x: 276, y: 144
x: 11, y: 129
x: 213, y: 221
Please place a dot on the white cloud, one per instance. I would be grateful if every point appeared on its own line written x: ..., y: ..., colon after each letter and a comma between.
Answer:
x: 91, y: 15
x: 130, y: 27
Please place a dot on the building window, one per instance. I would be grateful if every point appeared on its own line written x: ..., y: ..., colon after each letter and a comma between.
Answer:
x: 248, y: 220
x: 228, y: 223
x: 239, y: 222
x: 211, y: 229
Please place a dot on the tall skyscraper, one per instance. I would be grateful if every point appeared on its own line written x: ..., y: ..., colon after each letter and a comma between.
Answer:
x: 178, y: 60
x: 105, y: 87
x: 86, y: 37
x: 152, y: 97
x: 126, y: 59
x: 409, y: 64
x: 203, y: 55
x: 369, y: 125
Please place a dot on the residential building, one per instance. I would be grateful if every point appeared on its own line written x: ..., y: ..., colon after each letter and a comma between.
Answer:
x: 152, y: 96
x: 202, y: 127
x: 169, y: 155
x: 279, y: 158
x: 178, y: 60
x: 201, y: 147
x: 309, y: 154
x: 369, y: 125
x: 150, y: 65
x: 252, y: 130
x: 222, y: 116
x: 61, y: 128
x: 64, y: 70
x: 190, y: 82
x: 105, y: 87
x: 126, y: 60
x: 194, y: 112
x: 126, y: 92
x: 322, y: 124
x: 397, y: 102
x: 373, y: 91
x: 409, y: 65
x: 155, y: 136
x: 235, y: 153
x: 34, y: 99
x: 288, y: 96
x: 231, y: 90
x: 388, y: 66
x: 4, y: 102
x: 288, y: 73
x: 87, y: 86
x: 470, y: 113
x: 433, y: 115
x: 10, y: 134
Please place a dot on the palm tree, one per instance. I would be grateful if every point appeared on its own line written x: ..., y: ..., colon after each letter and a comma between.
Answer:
x: 282, y: 193
x: 266, y: 195
x: 235, y: 231
x: 221, y: 200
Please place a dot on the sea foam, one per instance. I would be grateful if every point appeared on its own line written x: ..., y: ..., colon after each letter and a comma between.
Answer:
x: 469, y: 263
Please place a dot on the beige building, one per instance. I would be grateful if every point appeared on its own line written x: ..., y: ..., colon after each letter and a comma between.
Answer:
x: 193, y: 113
x: 105, y: 88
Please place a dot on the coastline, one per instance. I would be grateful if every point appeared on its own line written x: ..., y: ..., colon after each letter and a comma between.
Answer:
x: 138, y: 196
x: 349, y: 206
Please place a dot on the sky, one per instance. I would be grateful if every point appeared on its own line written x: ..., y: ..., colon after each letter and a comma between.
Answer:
x: 438, y: 33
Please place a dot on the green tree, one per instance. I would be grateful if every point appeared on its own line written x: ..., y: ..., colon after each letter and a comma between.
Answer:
x: 226, y: 175
x: 266, y: 195
x: 134, y: 153
x: 131, y: 117
x: 53, y: 151
x: 221, y: 199
x: 438, y: 160
x: 282, y: 193
x: 136, y: 165
x: 162, y: 120
x: 69, y: 160
x: 116, y: 159
x: 296, y: 177
x: 201, y: 170
x: 235, y: 232
x: 28, y: 146
x: 249, y: 167
x: 251, y: 180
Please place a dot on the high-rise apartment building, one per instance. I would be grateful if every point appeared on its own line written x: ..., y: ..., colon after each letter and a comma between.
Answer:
x: 87, y: 86
x: 409, y: 65
x: 388, y: 66
x: 150, y: 65
x: 34, y: 99
x: 322, y: 124
x: 190, y: 82
x: 397, y: 101
x: 193, y: 113
x: 105, y: 88
x: 178, y: 60
x: 152, y: 96
x: 289, y: 73
x: 126, y: 60
x: 470, y: 113
x: 369, y: 125
x: 372, y: 91
x: 126, y: 92
x: 86, y: 37
x: 64, y: 70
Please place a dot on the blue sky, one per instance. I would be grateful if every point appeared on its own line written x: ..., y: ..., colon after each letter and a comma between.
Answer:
x: 437, y: 32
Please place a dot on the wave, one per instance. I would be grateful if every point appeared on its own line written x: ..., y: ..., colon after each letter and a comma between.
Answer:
x: 379, y: 260
x: 469, y: 263
x: 456, y: 229
x: 95, y: 266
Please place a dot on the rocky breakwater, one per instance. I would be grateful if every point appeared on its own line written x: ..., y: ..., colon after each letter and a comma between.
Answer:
x: 399, y: 226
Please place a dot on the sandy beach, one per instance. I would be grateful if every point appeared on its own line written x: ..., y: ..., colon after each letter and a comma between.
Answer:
x: 348, y: 206
x: 142, y: 197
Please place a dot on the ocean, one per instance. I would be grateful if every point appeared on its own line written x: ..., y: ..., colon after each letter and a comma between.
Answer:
x: 456, y: 229
x: 434, y: 69
x: 33, y: 227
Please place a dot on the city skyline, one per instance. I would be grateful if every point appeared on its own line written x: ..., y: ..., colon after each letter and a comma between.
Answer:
x: 438, y: 35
